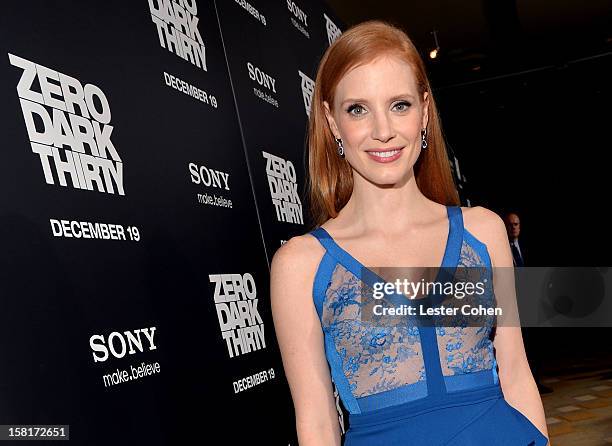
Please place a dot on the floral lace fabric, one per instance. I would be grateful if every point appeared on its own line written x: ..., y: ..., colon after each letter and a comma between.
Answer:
x: 377, y: 358
x: 374, y: 358
x: 463, y: 348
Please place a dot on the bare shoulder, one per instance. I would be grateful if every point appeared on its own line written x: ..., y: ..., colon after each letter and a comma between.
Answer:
x: 294, y: 264
x: 299, y: 251
x: 489, y: 228
x: 482, y: 221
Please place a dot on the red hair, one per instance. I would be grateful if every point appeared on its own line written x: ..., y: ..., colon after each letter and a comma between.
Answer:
x: 330, y: 181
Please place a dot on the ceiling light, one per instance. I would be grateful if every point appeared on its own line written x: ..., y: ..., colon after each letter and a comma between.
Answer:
x: 433, y: 54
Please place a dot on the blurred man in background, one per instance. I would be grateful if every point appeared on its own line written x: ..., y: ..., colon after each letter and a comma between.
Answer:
x: 530, y: 337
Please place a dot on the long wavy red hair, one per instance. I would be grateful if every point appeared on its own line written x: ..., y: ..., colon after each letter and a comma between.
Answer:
x: 330, y: 181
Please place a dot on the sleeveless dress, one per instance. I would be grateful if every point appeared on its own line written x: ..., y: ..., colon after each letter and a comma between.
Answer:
x: 413, y: 384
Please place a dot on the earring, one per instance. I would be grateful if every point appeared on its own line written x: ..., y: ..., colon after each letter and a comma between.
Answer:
x: 424, y: 138
x: 340, y: 147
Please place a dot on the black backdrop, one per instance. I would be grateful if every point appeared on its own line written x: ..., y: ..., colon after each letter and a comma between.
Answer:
x: 138, y: 207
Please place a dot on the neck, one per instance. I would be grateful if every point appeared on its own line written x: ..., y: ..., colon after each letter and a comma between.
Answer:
x: 392, y: 209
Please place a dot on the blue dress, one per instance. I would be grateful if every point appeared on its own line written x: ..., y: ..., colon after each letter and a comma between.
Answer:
x: 420, y: 384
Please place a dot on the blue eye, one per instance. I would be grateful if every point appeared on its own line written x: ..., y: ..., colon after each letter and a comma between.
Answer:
x: 355, y: 107
x: 404, y: 104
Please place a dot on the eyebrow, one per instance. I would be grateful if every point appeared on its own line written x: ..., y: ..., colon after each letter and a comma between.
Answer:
x: 394, y: 98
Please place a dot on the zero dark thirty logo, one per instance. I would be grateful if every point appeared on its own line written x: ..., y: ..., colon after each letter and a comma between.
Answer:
x: 241, y: 325
x: 177, y: 29
x: 68, y: 126
x: 282, y: 181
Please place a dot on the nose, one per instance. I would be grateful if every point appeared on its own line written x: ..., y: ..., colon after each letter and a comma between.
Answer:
x: 382, y: 129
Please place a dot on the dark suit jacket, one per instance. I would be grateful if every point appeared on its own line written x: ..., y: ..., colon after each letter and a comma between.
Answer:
x: 524, y: 252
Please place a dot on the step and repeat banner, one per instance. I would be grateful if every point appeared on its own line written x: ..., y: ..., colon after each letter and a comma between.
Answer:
x: 273, y: 79
x: 152, y: 162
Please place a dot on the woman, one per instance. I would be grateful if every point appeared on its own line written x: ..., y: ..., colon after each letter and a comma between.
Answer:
x: 381, y: 191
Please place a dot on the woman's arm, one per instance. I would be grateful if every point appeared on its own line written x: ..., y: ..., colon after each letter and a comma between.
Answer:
x: 300, y: 339
x: 518, y: 385
x: 515, y: 376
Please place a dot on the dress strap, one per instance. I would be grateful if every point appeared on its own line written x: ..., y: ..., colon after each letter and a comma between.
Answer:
x: 323, y: 238
x: 455, y: 239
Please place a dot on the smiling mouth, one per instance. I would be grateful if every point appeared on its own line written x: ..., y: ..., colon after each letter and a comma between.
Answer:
x: 385, y: 155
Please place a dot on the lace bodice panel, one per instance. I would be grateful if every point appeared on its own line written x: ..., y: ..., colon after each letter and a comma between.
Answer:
x: 376, y: 366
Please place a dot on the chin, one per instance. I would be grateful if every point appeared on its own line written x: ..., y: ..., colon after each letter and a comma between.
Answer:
x: 387, y: 178
x: 383, y: 175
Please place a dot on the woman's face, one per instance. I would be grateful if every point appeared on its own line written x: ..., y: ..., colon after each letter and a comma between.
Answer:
x: 379, y: 115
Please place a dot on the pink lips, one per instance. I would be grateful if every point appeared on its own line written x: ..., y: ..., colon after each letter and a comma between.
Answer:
x: 385, y: 159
